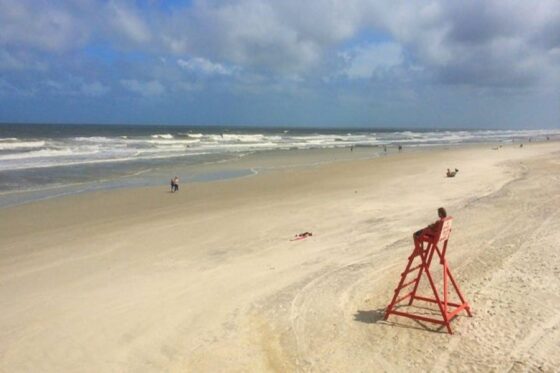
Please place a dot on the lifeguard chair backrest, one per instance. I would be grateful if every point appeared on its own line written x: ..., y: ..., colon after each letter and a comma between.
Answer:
x: 445, y: 230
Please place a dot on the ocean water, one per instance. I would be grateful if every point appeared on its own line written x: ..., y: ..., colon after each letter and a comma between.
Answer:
x: 40, y: 161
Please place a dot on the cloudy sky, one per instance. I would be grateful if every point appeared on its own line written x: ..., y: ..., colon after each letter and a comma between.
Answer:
x: 449, y: 64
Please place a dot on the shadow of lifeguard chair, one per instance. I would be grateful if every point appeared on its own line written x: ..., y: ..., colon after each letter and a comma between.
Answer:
x: 428, y: 246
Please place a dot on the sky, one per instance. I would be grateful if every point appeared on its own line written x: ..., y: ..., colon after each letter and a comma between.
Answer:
x: 328, y: 63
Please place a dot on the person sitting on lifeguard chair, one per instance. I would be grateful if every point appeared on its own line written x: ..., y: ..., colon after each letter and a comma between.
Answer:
x: 428, y: 233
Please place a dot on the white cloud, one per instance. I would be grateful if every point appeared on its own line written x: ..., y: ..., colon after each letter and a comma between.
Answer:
x: 480, y: 42
x: 366, y: 60
x: 286, y: 37
x: 9, y: 62
x: 20, y: 61
x: 144, y: 88
x: 128, y: 23
x: 56, y: 86
x: 477, y: 43
x: 94, y: 89
x: 175, y: 45
x: 41, y: 25
x: 11, y: 90
x: 204, y: 66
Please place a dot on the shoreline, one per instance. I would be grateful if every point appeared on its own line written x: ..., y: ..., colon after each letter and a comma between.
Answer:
x: 237, y: 167
x: 122, y: 203
x: 207, y: 279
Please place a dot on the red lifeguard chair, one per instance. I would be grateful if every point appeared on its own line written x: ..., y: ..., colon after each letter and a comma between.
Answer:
x: 425, y: 250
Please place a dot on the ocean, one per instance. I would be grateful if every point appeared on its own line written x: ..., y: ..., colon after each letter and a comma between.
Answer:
x: 40, y: 161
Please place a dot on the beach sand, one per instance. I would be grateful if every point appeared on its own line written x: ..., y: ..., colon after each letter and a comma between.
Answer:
x: 209, y: 280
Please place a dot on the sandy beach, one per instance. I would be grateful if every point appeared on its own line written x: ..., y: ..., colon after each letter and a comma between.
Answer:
x: 208, y: 279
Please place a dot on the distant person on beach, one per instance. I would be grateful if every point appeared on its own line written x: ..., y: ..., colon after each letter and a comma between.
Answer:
x: 430, y: 230
x: 400, y: 148
x: 172, y: 185
x: 175, y: 184
x: 451, y: 173
x: 351, y: 148
x: 385, y: 148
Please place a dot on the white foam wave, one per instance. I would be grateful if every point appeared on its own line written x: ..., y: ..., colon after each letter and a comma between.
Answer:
x: 58, y: 162
x: 192, y: 135
x: 49, y: 153
x: 246, y: 146
x: 96, y: 139
x: 162, y: 136
x: 409, y: 135
x: 25, y: 154
x: 173, y: 142
x: 227, y: 137
x: 163, y: 149
x: 21, y: 145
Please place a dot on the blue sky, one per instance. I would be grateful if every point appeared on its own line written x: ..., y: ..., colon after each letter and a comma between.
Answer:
x: 476, y: 64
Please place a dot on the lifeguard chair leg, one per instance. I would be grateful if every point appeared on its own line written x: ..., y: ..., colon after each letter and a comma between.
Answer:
x: 438, y: 302
x: 424, y: 254
x: 445, y: 272
x: 464, y: 304
x: 407, y: 270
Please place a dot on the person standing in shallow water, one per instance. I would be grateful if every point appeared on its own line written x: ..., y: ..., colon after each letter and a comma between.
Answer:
x: 175, y: 184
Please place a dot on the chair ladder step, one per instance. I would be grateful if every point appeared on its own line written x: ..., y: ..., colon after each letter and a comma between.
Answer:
x: 411, y: 269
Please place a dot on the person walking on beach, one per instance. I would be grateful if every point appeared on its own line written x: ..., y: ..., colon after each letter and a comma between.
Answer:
x: 172, y: 185
x: 175, y: 184
x: 400, y: 148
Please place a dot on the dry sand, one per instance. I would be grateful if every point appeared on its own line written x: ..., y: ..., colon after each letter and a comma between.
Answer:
x: 207, y: 279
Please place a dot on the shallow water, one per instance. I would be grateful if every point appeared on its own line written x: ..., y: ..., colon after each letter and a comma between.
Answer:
x: 45, y: 161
